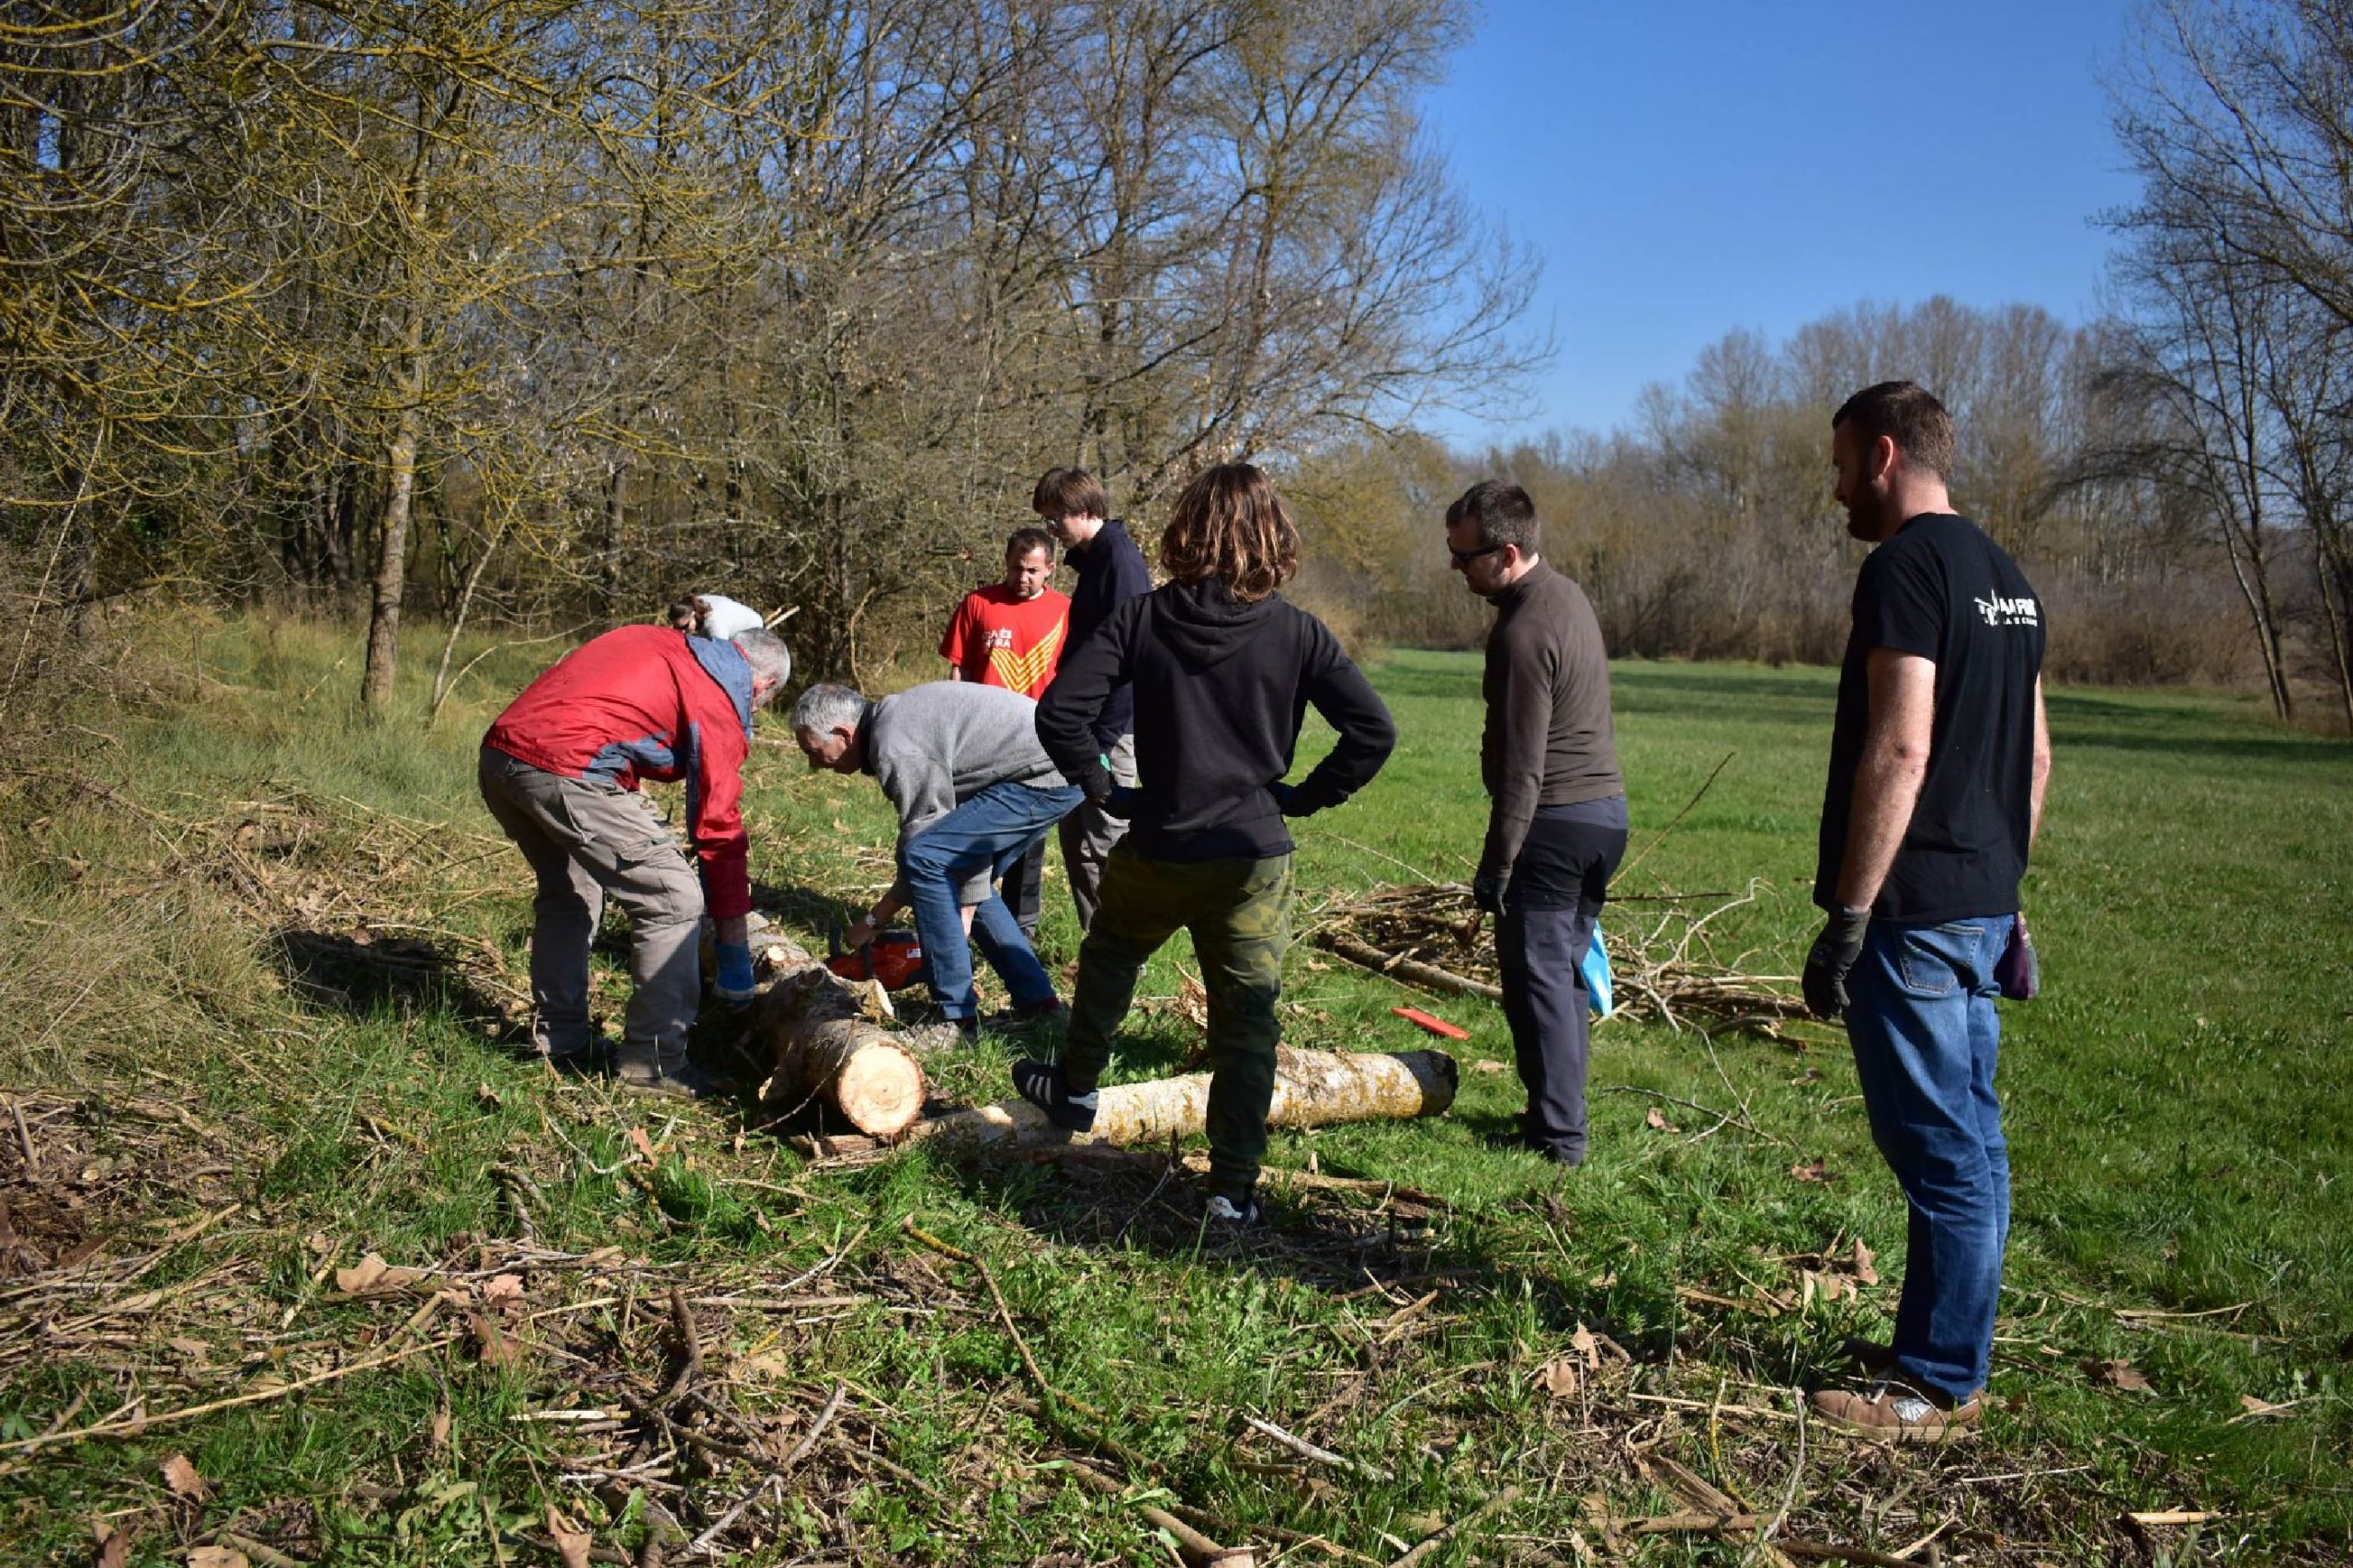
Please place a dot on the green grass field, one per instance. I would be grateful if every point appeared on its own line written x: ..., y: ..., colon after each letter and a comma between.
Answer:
x: 255, y: 953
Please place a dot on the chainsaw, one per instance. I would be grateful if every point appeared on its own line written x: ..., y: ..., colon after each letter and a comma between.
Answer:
x: 894, y: 958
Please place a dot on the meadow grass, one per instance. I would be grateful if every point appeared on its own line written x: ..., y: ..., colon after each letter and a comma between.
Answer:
x: 2178, y: 1112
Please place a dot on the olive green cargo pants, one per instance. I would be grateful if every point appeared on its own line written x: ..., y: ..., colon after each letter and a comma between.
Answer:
x: 1239, y: 913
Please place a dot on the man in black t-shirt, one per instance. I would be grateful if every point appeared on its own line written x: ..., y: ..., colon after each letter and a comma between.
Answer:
x: 1937, y: 758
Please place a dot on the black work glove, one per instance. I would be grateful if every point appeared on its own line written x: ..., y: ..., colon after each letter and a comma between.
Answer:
x: 1098, y: 783
x: 1287, y: 802
x: 1834, y: 953
x: 1487, y: 891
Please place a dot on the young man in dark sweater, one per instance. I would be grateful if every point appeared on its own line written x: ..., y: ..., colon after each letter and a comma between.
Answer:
x: 1223, y: 672
x: 1556, y: 824
x: 1110, y: 573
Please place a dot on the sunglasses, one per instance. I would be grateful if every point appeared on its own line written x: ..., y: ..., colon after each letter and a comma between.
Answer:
x: 1464, y: 557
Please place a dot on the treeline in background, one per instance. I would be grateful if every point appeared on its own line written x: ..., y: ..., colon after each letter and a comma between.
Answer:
x: 529, y: 313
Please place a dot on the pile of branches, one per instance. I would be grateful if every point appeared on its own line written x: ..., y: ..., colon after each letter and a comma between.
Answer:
x: 1666, y: 963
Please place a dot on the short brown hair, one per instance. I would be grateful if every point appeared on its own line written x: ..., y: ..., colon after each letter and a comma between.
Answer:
x: 1021, y: 541
x: 1069, y: 493
x: 1907, y: 413
x: 1503, y: 512
x: 1230, y: 526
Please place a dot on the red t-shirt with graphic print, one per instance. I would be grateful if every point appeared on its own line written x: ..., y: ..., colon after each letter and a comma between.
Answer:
x: 998, y: 639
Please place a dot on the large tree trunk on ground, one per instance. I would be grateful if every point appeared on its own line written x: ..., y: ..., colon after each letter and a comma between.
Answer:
x: 825, y: 1049
x: 1312, y: 1089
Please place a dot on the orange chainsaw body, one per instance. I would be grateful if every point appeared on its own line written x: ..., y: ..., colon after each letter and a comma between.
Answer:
x: 894, y: 958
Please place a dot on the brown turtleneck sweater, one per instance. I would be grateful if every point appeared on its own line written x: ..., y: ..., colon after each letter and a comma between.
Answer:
x: 1549, y: 740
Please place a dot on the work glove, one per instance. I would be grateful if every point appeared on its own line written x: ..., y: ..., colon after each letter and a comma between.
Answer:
x: 1487, y: 891
x: 1098, y: 782
x: 734, y: 986
x: 1834, y: 953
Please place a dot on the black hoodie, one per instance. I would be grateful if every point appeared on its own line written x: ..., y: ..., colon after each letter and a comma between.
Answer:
x: 1221, y: 690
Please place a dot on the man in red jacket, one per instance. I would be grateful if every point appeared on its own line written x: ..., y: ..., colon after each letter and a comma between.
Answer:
x: 559, y: 771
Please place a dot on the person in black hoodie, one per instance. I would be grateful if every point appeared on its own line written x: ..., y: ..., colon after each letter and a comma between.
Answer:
x: 1223, y: 672
x: 1110, y: 572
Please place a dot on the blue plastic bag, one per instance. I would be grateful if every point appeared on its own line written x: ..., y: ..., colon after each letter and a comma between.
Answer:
x: 1594, y: 968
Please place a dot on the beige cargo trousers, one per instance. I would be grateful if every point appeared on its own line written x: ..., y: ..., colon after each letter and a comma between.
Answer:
x: 585, y: 843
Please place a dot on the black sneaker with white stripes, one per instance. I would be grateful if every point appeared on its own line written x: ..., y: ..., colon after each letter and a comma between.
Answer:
x: 1237, y: 1209
x: 1043, y: 1085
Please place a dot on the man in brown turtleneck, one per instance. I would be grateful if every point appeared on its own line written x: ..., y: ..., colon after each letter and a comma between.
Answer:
x: 1556, y: 827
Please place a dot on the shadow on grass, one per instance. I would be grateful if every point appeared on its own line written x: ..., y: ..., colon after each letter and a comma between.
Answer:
x: 365, y: 977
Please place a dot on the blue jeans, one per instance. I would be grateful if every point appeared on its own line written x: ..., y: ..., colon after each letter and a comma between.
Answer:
x: 1920, y: 1016
x: 984, y: 835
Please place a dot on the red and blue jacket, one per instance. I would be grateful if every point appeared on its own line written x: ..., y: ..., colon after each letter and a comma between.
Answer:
x: 650, y: 702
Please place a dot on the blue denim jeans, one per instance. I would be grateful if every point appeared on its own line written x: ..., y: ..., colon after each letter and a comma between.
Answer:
x: 986, y: 832
x: 1920, y: 1016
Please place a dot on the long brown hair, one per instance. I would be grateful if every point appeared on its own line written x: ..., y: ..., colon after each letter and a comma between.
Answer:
x: 1230, y: 526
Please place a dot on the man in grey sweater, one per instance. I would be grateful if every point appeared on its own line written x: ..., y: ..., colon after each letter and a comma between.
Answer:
x: 974, y: 792
x: 1556, y: 826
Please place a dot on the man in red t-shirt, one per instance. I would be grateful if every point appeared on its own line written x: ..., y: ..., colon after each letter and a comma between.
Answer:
x: 1010, y: 633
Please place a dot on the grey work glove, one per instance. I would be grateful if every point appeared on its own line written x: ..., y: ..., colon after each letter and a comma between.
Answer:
x: 1834, y: 953
x: 1487, y: 891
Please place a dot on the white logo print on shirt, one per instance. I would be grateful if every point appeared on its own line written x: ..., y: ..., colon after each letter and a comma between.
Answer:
x: 1999, y: 612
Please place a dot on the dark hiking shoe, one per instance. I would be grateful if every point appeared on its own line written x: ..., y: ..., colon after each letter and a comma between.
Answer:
x: 590, y: 1056
x: 682, y: 1080
x: 1044, y: 1086
x: 1238, y: 1210
x: 949, y: 1034
x: 1895, y: 1412
x: 1869, y: 1355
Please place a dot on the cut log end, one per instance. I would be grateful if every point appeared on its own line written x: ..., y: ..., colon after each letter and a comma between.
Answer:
x: 880, y: 1090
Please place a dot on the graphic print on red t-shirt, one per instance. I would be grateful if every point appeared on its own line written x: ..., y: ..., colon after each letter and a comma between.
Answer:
x: 998, y: 639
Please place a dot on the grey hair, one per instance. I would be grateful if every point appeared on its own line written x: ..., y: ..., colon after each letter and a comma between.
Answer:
x: 766, y: 653
x: 824, y: 707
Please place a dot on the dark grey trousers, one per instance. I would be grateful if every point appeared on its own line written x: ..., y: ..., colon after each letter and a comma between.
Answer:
x: 1089, y: 834
x: 585, y: 843
x: 1556, y: 894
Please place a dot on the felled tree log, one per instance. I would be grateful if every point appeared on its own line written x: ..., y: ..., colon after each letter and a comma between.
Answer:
x: 1312, y: 1089
x: 825, y: 1050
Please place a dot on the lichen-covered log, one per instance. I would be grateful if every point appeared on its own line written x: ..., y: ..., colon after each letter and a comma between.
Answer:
x: 1312, y: 1089
x: 825, y: 1050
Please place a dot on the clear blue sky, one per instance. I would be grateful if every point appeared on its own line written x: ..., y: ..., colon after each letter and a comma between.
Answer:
x: 1690, y: 166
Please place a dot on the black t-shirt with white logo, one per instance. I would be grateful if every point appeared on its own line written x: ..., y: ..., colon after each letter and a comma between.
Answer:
x: 1944, y: 591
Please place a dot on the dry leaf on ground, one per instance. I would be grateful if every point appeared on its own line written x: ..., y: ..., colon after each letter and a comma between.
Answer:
x: 1863, y: 1270
x: 1559, y: 1377
x: 439, y: 1436
x: 225, y: 1557
x: 504, y: 1291
x: 114, y: 1546
x: 645, y: 1144
x: 2254, y: 1406
x: 371, y: 1276
x: 572, y: 1544
x: 1584, y: 1345
x: 1657, y: 1119
x: 1486, y: 1066
x: 496, y: 1349
x: 180, y: 1476
x: 2123, y: 1374
x: 1811, y: 1170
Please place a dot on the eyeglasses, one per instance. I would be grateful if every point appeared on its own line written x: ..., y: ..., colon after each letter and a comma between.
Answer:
x: 1464, y: 557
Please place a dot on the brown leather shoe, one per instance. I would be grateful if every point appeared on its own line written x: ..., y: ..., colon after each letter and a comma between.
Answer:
x: 1896, y: 1412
